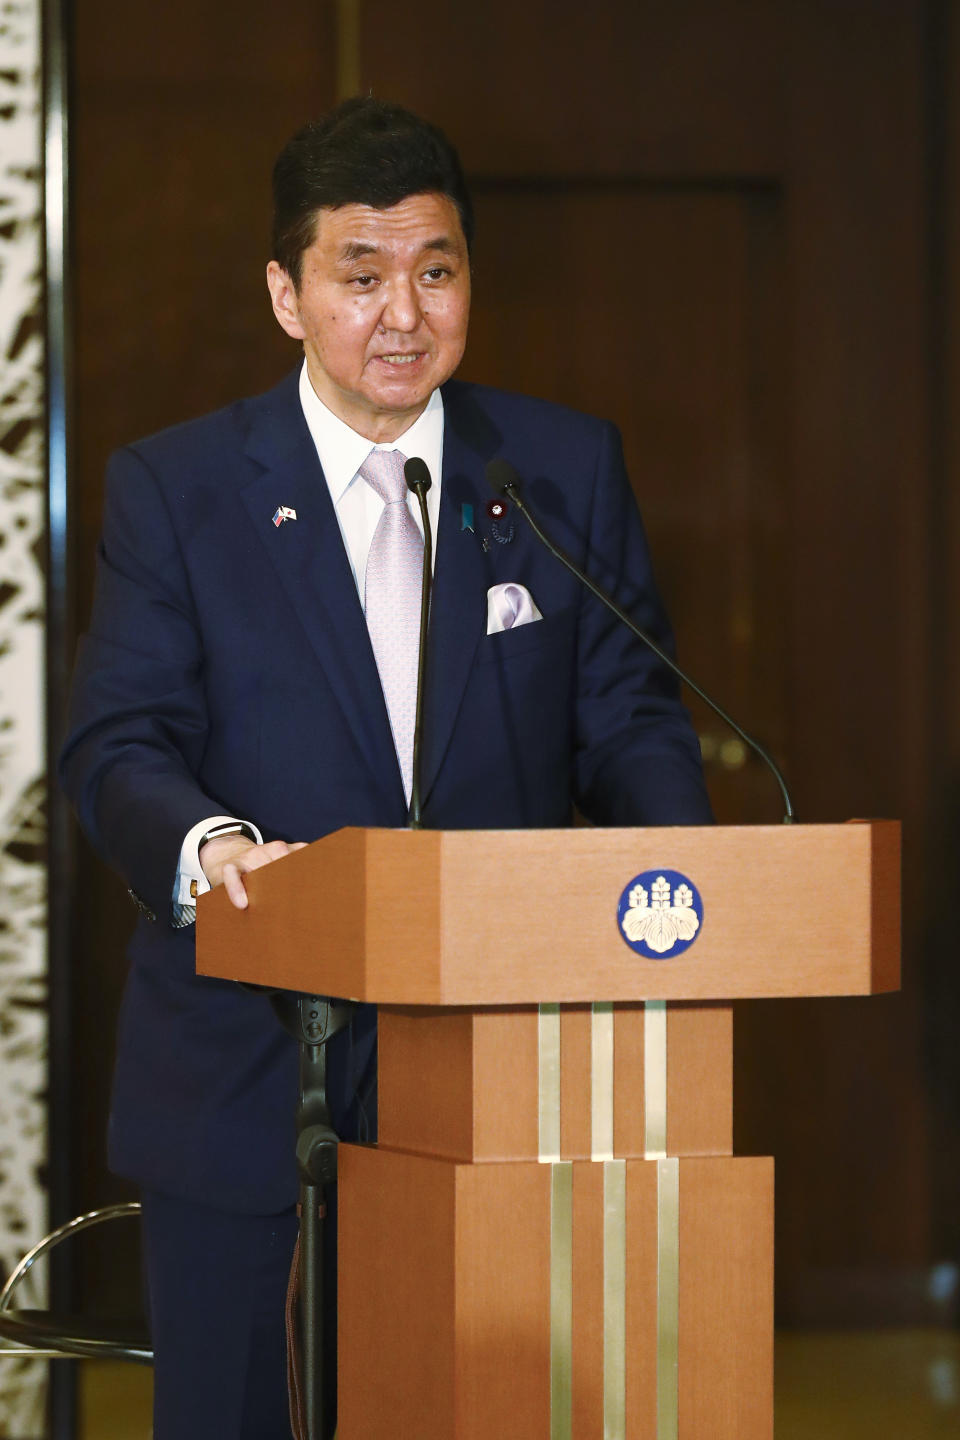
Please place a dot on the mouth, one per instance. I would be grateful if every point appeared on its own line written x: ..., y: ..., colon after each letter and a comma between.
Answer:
x: 401, y: 358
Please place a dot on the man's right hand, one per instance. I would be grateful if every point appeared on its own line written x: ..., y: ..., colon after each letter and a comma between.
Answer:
x: 227, y: 858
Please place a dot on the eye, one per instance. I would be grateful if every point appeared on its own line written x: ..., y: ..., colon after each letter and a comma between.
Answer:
x: 436, y: 272
x: 363, y: 282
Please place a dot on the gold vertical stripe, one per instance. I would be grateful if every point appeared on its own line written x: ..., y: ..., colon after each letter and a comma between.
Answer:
x: 614, y: 1223
x: 614, y: 1300
x: 561, y: 1301
x: 655, y: 1079
x: 548, y: 1047
x: 348, y: 48
x: 601, y: 1081
x: 668, y: 1298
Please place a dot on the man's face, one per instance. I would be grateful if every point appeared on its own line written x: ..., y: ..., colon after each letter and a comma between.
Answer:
x: 382, y: 310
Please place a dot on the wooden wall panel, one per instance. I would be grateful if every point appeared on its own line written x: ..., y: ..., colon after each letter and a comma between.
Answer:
x: 941, y: 639
x: 177, y: 112
x: 858, y: 450
x: 709, y: 221
x: 543, y: 88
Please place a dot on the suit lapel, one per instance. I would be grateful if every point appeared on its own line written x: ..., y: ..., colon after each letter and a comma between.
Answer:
x: 312, y: 568
x: 458, y: 610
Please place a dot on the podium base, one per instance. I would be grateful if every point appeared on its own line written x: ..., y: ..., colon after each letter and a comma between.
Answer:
x: 569, y: 1301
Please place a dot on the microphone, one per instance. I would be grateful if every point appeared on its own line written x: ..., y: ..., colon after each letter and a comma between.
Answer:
x: 418, y: 480
x: 504, y: 480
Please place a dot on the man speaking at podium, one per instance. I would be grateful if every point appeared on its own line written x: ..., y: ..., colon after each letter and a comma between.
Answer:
x: 248, y: 681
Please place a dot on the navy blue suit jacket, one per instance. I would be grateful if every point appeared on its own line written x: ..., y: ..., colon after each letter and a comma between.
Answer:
x: 228, y: 669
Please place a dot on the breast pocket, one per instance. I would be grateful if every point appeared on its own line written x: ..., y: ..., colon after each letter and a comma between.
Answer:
x: 536, y: 635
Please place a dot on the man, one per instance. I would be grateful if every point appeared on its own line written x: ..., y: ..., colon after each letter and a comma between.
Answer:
x: 246, y: 687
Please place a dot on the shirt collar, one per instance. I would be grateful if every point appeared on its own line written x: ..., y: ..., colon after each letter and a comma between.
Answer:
x: 342, y: 450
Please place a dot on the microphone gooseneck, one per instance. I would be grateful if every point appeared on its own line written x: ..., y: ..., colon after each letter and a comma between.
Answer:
x: 504, y: 480
x: 418, y: 480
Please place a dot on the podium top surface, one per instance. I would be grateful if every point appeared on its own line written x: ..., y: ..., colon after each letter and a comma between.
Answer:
x: 516, y: 917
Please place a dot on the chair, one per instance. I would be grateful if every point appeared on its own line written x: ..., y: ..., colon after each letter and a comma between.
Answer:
x: 53, y: 1335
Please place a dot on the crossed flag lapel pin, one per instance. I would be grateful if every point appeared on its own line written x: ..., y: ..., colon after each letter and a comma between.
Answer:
x: 284, y: 512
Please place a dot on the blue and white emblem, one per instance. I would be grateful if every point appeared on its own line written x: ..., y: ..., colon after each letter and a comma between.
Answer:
x: 660, y: 914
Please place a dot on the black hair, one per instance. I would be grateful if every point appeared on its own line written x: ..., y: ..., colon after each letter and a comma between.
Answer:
x: 366, y: 152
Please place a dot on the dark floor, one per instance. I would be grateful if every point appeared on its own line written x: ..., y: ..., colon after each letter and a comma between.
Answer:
x: 885, y: 1385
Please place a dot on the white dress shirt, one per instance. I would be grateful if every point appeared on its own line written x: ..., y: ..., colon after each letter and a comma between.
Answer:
x: 342, y: 451
x: 358, y: 509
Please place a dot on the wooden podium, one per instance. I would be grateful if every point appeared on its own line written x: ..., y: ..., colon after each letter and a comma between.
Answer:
x: 552, y: 1239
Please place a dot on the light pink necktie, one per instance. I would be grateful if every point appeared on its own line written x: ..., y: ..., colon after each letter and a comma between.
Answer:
x: 392, y: 599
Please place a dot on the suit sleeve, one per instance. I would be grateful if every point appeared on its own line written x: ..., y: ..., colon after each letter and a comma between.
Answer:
x: 638, y: 760
x: 138, y: 722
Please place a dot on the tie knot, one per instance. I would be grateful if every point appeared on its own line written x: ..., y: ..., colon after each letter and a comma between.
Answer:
x: 383, y: 472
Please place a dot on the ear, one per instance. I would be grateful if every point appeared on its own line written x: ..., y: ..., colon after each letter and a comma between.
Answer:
x: 286, y: 304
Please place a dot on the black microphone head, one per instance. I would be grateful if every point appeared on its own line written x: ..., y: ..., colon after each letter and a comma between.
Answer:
x: 501, y: 476
x: 416, y: 474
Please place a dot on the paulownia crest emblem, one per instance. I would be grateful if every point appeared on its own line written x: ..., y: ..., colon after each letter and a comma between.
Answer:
x: 660, y: 913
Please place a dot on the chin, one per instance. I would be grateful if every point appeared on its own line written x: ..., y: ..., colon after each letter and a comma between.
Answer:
x: 400, y: 400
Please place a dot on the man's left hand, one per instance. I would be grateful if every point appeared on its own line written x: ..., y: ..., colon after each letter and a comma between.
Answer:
x: 227, y: 858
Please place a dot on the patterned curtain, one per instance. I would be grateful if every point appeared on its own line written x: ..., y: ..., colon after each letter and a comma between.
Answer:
x: 23, y: 1020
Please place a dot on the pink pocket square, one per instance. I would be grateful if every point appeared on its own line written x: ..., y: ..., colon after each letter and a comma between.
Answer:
x: 508, y: 606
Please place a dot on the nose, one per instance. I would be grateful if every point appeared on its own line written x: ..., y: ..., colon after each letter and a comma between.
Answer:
x: 402, y: 309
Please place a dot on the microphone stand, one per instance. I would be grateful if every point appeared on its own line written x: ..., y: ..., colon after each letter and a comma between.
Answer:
x: 312, y: 1020
x: 418, y: 480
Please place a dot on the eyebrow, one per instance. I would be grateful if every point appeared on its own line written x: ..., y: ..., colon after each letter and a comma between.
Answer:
x: 356, y: 249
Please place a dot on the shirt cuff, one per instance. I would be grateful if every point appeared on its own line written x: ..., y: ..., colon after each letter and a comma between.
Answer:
x: 190, y: 880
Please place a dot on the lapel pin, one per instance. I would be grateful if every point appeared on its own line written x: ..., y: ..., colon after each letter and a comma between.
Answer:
x: 501, y: 521
x: 284, y: 512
